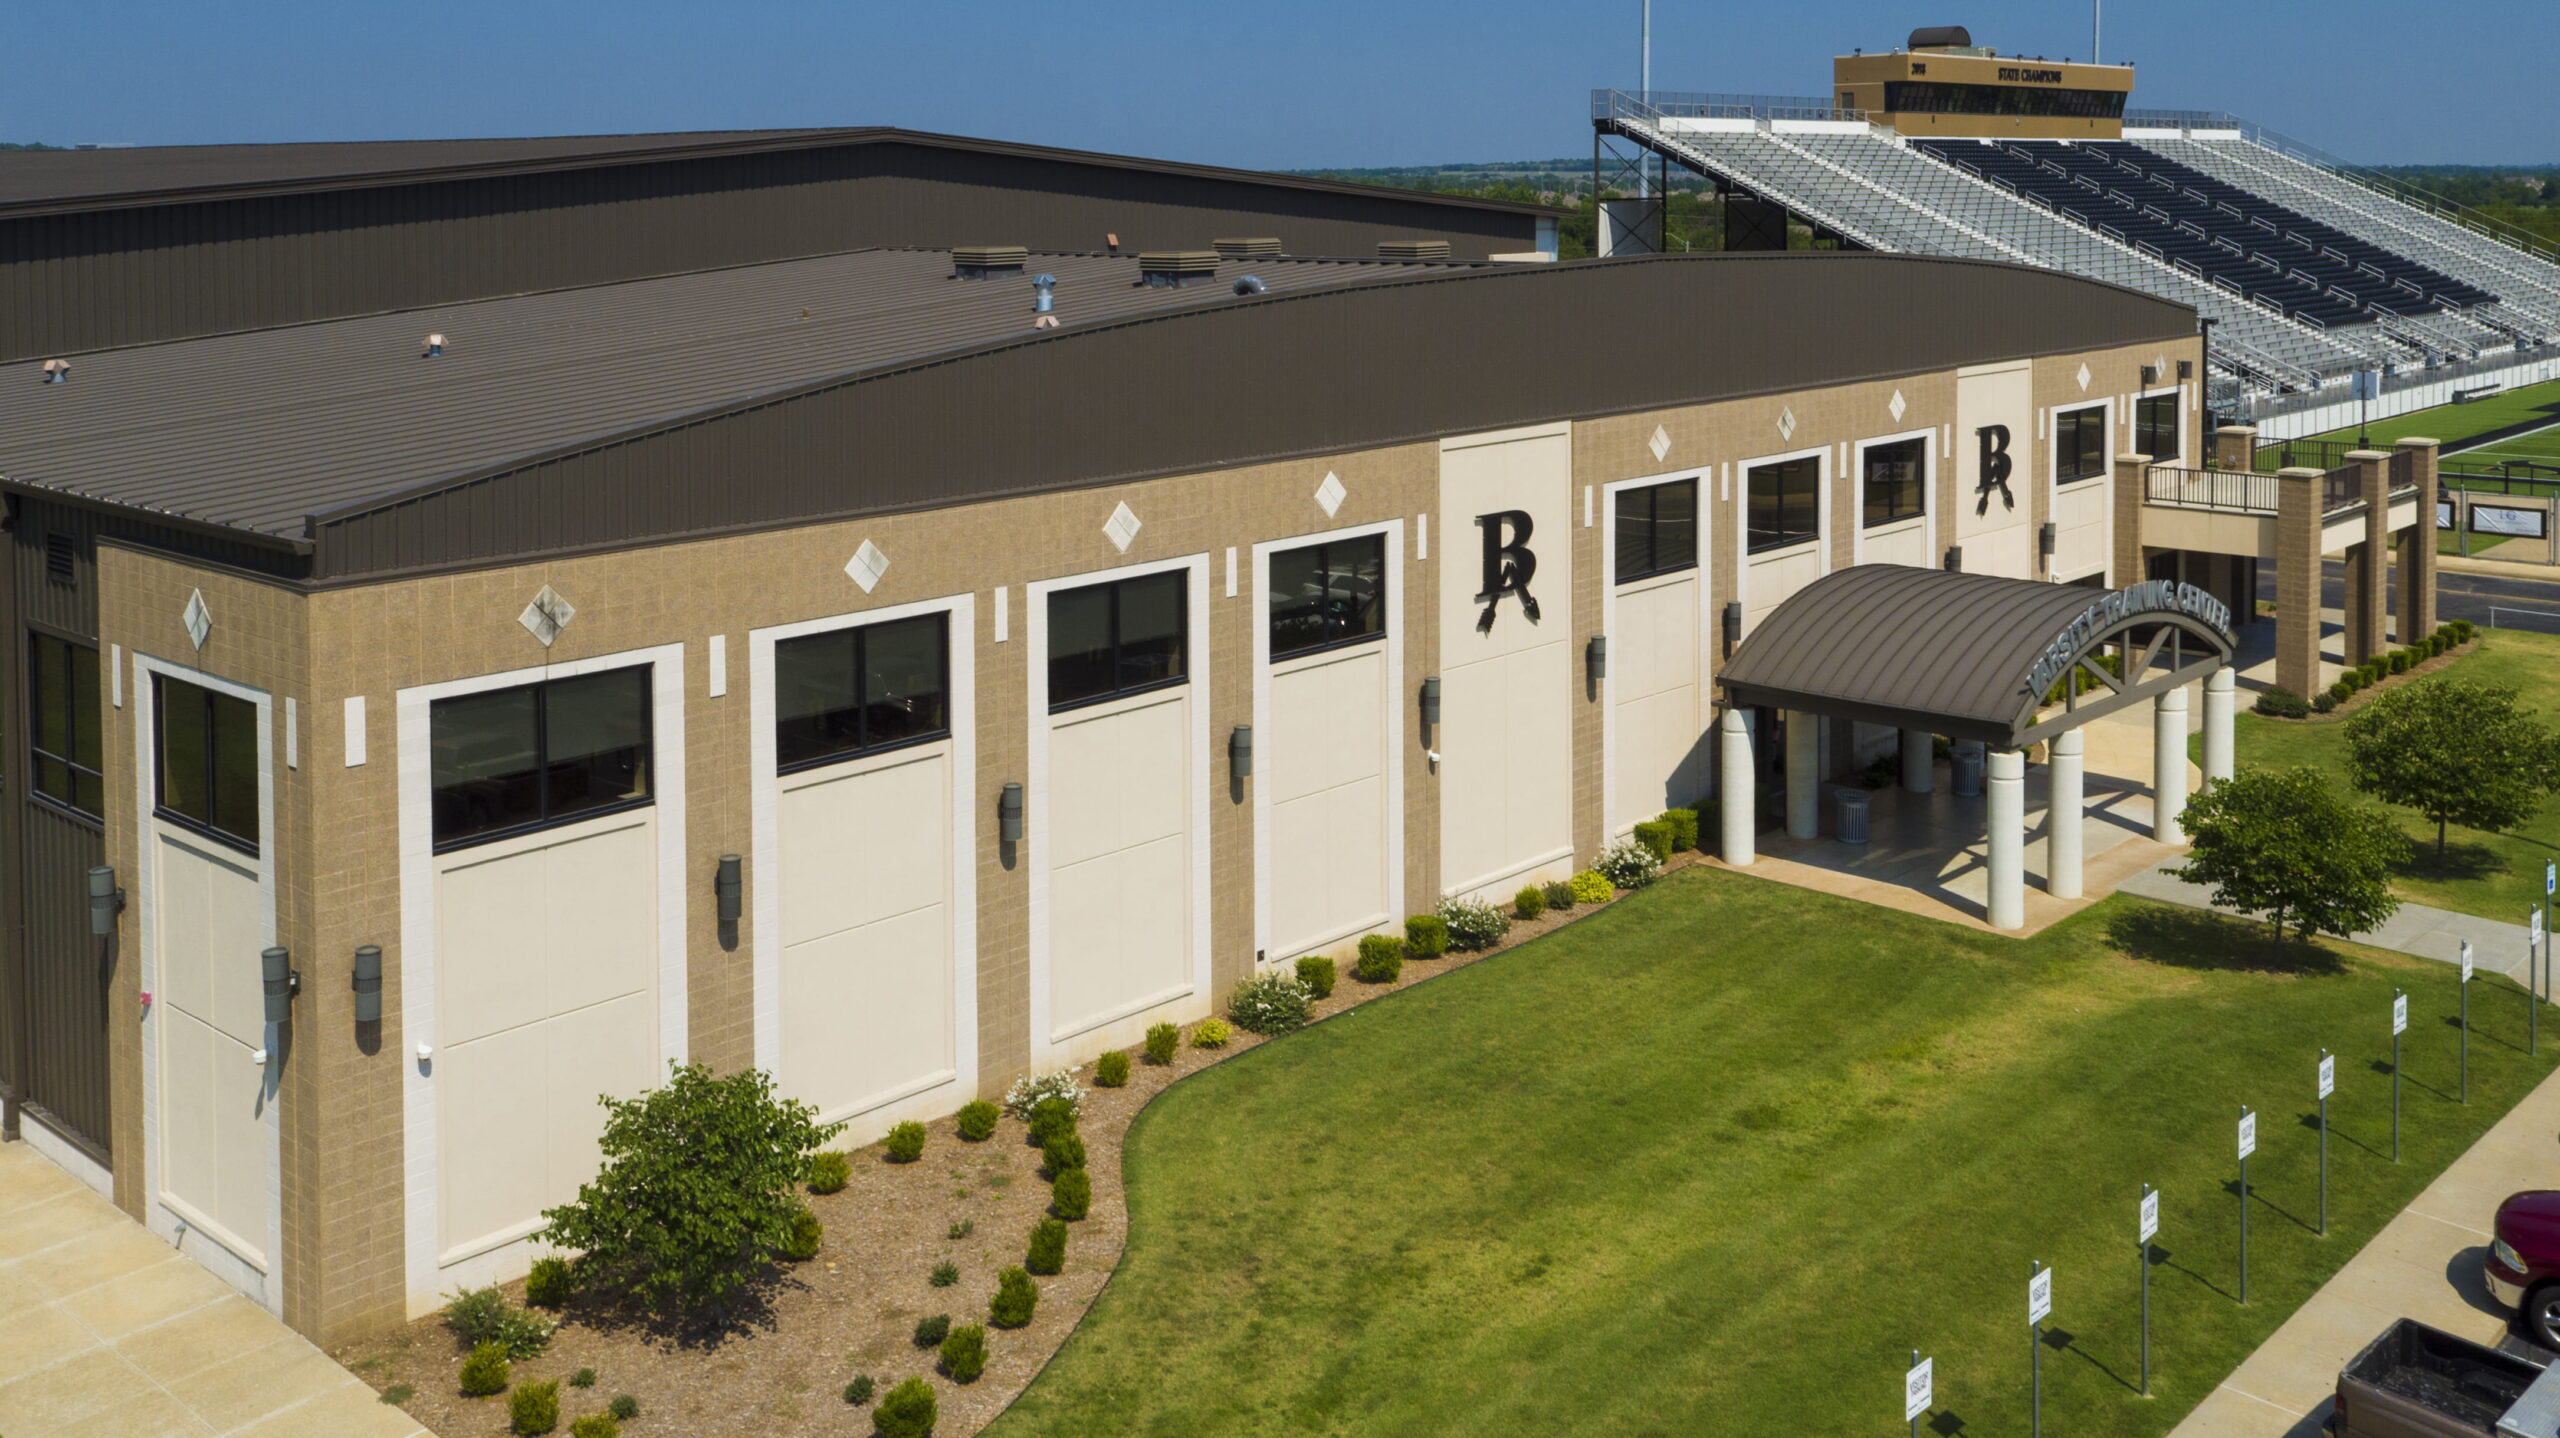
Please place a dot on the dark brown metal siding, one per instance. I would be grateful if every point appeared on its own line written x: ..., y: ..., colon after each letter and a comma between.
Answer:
x: 96, y: 279
x: 1314, y: 373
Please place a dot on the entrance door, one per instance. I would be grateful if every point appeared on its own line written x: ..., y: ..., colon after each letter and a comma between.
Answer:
x: 63, y: 969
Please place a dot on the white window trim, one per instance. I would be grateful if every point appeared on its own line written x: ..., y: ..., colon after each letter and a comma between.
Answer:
x: 1743, y: 558
x: 1858, y: 490
x: 2133, y: 423
x: 1704, y: 574
x: 1394, y: 706
x: 1048, y: 1048
x: 2105, y: 478
x: 428, y: 1276
x: 764, y: 848
x: 262, y: 1285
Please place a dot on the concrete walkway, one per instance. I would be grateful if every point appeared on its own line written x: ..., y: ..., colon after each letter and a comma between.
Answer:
x: 104, y: 1330
x: 2416, y: 929
x: 2425, y: 1264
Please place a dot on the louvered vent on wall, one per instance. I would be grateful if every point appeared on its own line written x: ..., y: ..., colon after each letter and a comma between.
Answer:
x: 58, y: 552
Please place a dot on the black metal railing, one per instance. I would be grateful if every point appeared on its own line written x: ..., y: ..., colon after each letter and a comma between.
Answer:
x: 2234, y: 491
x: 2341, y: 487
x: 1654, y: 105
x: 2303, y: 453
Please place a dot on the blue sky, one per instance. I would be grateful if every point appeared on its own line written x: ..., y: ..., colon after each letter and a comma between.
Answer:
x: 1317, y: 82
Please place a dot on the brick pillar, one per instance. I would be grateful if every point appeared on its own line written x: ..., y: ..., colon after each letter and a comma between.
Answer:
x: 2369, y: 563
x: 2297, y: 559
x: 2418, y: 547
x: 2235, y: 446
x: 2132, y: 474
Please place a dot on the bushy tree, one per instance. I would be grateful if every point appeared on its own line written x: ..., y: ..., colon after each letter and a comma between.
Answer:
x: 2283, y: 844
x: 2457, y: 752
x: 696, y: 1194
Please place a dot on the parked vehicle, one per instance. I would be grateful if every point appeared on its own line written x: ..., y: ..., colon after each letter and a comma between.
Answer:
x: 2523, y: 1266
x: 2420, y: 1382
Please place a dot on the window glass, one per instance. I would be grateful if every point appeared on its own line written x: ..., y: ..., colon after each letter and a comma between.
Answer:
x: 904, y: 688
x: 1783, y: 506
x: 595, y: 741
x: 2080, y: 451
x: 485, y: 755
x: 1117, y: 638
x: 1894, y: 476
x: 1328, y: 594
x: 817, y: 697
x: 515, y: 759
x: 1297, y: 600
x: 1080, y: 662
x: 850, y: 691
x: 208, y: 760
x: 1657, y: 529
x: 2155, y: 428
x: 1150, y: 638
x: 64, y: 723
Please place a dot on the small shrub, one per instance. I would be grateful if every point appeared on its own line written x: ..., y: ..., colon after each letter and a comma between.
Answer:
x: 1016, y: 1297
x: 1071, y: 1197
x: 1162, y: 1040
x: 1629, y: 866
x: 964, y: 1353
x: 1426, y: 936
x: 2326, y: 702
x: 2399, y: 661
x: 1316, y: 971
x: 977, y: 1120
x: 485, y: 1371
x: 931, y: 1331
x: 596, y: 1425
x: 1592, y: 887
x: 1270, y: 1004
x: 1064, y: 1152
x: 802, y: 1245
x: 583, y: 1378
x: 1027, y: 1091
x: 1560, y: 894
x: 906, y: 1411
x: 859, y: 1391
x: 1212, y: 1034
x: 962, y: 1229
x: 550, y: 1283
x: 2374, y: 669
x: 2358, y: 680
x: 1052, y: 1118
x: 1684, y: 822
x: 2339, y: 691
x: 1655, y: 835
x: 624, y: 1407
x: 1473, y: 927
x: 944, y: 1275
x: 2279, y: 702
x: 829, y: 1172
x: 1048, y: 1252
x: 534, y: 1408
x: 483, y: 1315
x: 1381, y: 959
x: 1529, y: 903
x: 1112, y: 1069
x: 905, y: 1143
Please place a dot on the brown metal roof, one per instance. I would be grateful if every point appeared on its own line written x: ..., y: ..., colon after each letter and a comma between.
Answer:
x: 42, y: 181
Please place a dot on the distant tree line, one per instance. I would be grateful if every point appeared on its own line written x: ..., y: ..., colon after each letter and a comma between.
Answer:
x: 2527, y: 197
x: 30, y: 145
x: 1693, y: 215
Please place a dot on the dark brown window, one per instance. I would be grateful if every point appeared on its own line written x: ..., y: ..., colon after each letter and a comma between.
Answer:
x: 1657, y: 529
x: 512, y: 760
x: 1326, y: 595
x: 63, y: 723
x: 1896, y: 474
x: 2155, y: 427
x: 2080, y: 443
x: 1123, y: 637
x: 858, y: 691
x: 1785, y: 507
x: 208, y: 779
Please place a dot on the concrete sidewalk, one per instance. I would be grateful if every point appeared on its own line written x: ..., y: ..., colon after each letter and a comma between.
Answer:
x: 2425, y: 1264
x: 104, y: 1329
x: 2415, y: 929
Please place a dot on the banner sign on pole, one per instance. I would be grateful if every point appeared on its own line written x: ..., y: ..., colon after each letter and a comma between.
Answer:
x: 2507, y: 520
x: 1916, y: 1396
x: 2550, y: 878
x: 2534, y: 918
x: 2466, y: 961
x: 2328, y: 1074
x: 2399, y: 1014
x: 2365, y: 384
x: 2150, y: 1215
x: 2248, y: 1133
x: 2040, y: 1296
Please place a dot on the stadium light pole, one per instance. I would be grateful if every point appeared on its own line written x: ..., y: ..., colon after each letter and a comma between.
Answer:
x: 2093, y: 31
x: 1644, y: 92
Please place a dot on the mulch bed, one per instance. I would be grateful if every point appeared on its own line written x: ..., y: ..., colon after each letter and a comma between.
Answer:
x: 853, y: 1309
x: 2364, y: 696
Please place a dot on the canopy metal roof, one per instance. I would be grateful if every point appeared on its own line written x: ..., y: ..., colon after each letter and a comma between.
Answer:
x: 1970, y: 656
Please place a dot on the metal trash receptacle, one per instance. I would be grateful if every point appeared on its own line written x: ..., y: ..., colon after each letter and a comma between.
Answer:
x: 1966, y: 765
x: 1852, y: 815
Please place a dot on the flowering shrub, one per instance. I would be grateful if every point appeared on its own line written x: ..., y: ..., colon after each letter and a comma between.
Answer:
x: 1270, y: 1004
x: 1629, y: 866
x: 1473, y: 926
x: 1028, y: 1090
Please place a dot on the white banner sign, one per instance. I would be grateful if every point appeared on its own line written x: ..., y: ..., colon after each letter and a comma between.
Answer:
x: 2328, y: 1074
x: 2150, y: 1214
x: 2466, y: 961
x: 2399, y: 1013
x: 2506, y: 519
x: 2040, y: 1295
x: 2534, y: 921
x: 1916, y: 1395
x: 2550, y: 878
x: 2248, y: 1134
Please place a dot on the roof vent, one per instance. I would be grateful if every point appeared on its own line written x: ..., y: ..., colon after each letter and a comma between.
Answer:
x: 1252, y: 249
x: 434, y: 347
x: 57, y: 371
x: 59, y: 556
x: 1251, y: 285
x: 1413, y: 249
x: 1941, y: 37
x: 1173, y: 269
x: 978, y: 262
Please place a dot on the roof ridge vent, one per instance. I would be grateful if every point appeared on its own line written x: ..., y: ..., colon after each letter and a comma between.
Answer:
x: 1413, y: 249
x: 1174, y: 269
x: 1248, y: 249
x: 57, y: 371
x: 979, y: 262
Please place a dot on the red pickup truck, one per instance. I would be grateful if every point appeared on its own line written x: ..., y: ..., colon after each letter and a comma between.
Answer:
x: 2523, y: 1266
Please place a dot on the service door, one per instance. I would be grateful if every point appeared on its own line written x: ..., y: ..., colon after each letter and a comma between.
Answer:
x: 1326, y: 776
x: 1120, y: 861
x: 215, y: 1097
x: 1659, y: 737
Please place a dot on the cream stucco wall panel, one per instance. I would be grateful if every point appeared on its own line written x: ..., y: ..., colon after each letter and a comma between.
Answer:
x: 1995, y: 467
x: 1658, y: 738
x: 2081, y: 513
x: 1328, y: 876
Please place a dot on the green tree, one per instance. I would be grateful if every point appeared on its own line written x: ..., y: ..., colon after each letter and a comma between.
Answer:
x: 697, y: 1191
x: 2283, y: 844
x: 2455, y: 751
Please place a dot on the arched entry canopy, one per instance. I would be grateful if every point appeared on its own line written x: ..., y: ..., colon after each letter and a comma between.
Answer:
x: 1975, y: 656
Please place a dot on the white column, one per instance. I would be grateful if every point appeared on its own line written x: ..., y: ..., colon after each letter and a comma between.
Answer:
x: 1735, y: 783
x: 1804, y: 766
x: 2169, y: 765
x: 1919, y: 760
x: 2007, y: 783
x: 2063, y: 818
x: 2218, y: 700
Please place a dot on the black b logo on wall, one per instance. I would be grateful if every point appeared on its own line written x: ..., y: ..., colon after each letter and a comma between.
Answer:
x: 1508, y: 564
x: 1995, y: 469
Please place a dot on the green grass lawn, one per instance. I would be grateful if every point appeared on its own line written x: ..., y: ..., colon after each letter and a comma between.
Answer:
x: 2497, y: 876
x: 1716, y: 1159
x: 2456, y: 424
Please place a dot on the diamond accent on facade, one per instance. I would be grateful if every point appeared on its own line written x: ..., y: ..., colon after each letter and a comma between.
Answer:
x: 547, y: 615
x: 1122, y: 527
x: 1329, y: 495
x: 1660, y: 444
x: 2084, y: 379
x: 1896, y: 407
x: 866, y: 566
x: 198, y: 619
x: 2160, y: 365
x: 1787, y: 423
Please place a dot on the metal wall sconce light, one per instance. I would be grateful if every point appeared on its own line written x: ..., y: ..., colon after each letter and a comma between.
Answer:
x: 1955, y: 559
x: 1732, y: 625
x: 368, y: 983
x: 1240, y: 751
x: 729, y: 888
x: 1009, y: 814
x: 2046, y: 539
x: 283, y: 981
x: 1431, y: 702
x: 1595, y: 657
x: 105, y: 901
x: 2187, y: 368
x: 2150, y: 375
